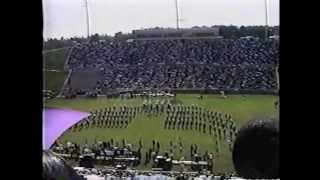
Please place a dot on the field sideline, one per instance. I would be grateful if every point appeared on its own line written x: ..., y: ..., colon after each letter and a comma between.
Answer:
x: 241, y: 107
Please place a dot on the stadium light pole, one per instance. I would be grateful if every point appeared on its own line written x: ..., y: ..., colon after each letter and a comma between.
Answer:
x: 177, y: 14
x: 87, y: 18
x: 266, y: 16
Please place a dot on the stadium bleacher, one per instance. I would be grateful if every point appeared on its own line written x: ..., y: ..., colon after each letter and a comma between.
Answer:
x: 174, y: 64
x: 242, y: 64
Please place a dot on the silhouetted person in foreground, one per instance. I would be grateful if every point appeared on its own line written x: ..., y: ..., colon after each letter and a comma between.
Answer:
x: 256, y: 150
x: 55, y: 168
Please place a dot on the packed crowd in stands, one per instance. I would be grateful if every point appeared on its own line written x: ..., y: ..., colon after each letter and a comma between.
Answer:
x: 109, y: 174
x: 179, y: 64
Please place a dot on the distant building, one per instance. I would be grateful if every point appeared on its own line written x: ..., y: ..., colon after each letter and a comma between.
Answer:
x: 176, y: 33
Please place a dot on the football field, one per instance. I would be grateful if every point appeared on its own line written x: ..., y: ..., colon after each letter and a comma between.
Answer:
x: 242, y: 108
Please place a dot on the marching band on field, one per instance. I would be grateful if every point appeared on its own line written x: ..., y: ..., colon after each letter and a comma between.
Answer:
x: 175, y: 117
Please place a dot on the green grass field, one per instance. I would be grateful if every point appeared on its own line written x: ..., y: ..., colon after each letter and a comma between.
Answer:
x: 241, y: 107
x: 54, y: 60
x: 54, y: 80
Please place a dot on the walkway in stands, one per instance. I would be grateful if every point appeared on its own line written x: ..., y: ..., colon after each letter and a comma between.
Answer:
x: 278, y: 80
x: 51, y: 70
x: 53, y: 50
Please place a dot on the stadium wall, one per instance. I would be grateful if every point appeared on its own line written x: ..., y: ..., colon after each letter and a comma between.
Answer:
x: 226, y: 91
x: 197, y: 91
x: 203, y: 91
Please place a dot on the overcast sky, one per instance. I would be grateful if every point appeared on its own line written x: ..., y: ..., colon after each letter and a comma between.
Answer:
x: 67, y: 17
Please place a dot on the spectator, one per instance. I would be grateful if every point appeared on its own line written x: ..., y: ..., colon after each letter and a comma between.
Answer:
x: 55, y: 167
x: 180, y: 63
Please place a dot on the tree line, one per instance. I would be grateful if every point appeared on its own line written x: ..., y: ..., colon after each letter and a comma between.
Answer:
x: 56, y: 43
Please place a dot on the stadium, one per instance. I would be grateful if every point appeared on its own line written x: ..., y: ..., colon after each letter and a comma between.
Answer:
x: 158, y: 101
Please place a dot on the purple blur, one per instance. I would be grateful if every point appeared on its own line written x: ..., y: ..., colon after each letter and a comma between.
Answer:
x: 56, y: 121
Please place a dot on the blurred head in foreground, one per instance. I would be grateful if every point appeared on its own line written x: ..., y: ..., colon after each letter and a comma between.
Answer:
x: 55, y: 168
x: 256, y: 150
